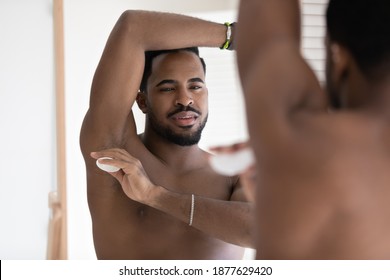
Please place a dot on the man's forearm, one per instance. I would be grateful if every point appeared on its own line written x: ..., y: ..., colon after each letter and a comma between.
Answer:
x: 158, y: 31
x: 230, y: 221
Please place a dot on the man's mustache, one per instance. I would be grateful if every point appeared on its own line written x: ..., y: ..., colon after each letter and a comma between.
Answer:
x: 183, y: 109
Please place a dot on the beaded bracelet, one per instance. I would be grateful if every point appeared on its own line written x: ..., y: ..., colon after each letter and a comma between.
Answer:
x: 227, y: 43
x: 192, y: 209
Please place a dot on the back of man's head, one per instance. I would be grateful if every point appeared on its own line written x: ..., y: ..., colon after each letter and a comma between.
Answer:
x: 363, y: 27
x: 149, y: 57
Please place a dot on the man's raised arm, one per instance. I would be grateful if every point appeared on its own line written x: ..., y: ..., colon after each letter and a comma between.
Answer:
x: 118, y: 75
x: 277, y: 82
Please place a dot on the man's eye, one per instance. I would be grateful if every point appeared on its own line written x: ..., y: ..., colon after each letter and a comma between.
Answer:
x: 195, y: 87
x: 167, y: 89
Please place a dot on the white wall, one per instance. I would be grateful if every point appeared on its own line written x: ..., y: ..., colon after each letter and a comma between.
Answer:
x: 27, y: 122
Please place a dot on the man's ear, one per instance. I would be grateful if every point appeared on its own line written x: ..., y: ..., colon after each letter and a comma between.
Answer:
x: 142, y: 102
x: 341, y: 62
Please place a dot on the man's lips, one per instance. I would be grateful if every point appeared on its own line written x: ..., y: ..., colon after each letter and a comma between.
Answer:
x: 185, y: 118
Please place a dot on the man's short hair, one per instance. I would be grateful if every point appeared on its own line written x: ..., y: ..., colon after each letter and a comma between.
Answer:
x: 363, y: 27
x: 150, y: 55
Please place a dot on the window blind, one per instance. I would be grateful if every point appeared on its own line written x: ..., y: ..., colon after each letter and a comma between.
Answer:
x: 313, y: 34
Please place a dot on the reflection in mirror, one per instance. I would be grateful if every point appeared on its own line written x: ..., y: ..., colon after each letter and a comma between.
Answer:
x: 226, y: 117
x: 85, y: 40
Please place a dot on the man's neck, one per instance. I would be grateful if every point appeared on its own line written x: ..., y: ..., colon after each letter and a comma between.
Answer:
x: 379, y: 102
x: 179, y: 158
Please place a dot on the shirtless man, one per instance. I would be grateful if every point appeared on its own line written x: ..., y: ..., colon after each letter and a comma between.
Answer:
x: 323, y: 180
x: 165, y: 202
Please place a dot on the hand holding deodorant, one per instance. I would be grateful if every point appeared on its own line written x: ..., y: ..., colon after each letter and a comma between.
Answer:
x: 107, y: 167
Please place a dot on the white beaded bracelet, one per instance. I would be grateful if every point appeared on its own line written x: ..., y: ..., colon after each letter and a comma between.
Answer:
x: 227, y: 43
x: 192, y: 209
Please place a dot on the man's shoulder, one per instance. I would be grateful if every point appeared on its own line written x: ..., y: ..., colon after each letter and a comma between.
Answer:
x: 330, y: 122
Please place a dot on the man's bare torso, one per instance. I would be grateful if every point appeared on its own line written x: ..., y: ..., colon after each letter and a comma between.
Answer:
x: 328, y: 191
x: 125, y: 229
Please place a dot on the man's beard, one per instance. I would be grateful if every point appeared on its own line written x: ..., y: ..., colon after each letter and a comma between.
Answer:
x: 179, y: 139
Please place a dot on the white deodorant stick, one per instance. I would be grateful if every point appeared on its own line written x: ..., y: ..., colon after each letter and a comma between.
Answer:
x: 230, y: 164
x: 106, y: 167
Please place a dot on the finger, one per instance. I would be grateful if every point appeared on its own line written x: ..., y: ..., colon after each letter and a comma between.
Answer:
x: 105, y: 159
x: 118, y: 175
x: 250, y: 172
x: 106, y: 153
x: 240, y: 146
x: 116, y: 168
x: 248, y: 181
x: 115, y: 162
x: 114, y: 153
x: 129, y: 165
x: 230, y: 148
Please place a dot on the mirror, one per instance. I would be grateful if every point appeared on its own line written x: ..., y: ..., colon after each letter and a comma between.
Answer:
x: 84, y: 42
x: 27, y: 106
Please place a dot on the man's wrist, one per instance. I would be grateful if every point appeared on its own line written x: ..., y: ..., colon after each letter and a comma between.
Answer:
x: 154, y: 196
x: 232, y: 45
x: 228, y: 44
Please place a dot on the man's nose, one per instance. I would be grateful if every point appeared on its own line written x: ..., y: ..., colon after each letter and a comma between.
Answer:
x: 184, y: 98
